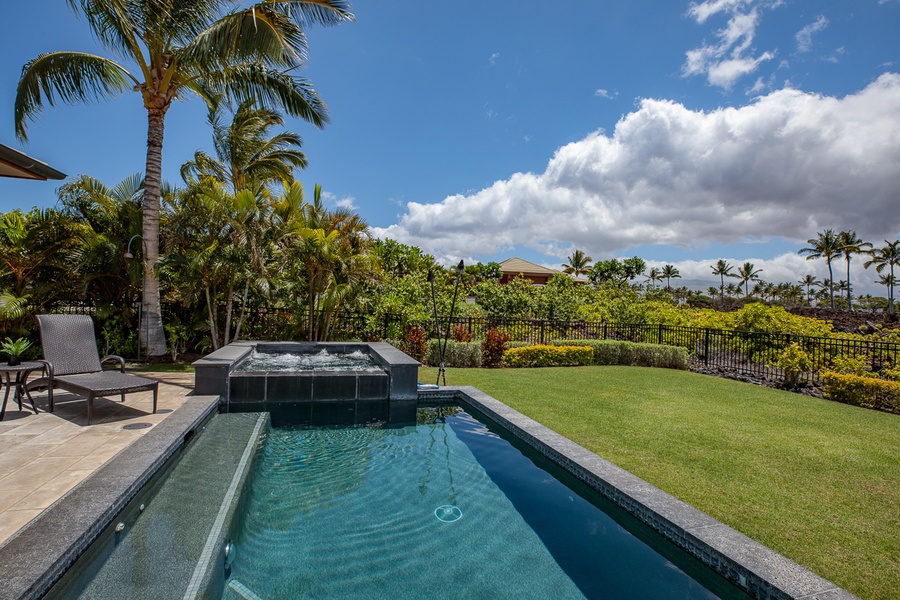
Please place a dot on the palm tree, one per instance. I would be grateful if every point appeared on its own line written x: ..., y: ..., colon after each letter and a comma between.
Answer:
x: 579, y: 264
x: 851, y: 244
x: 886, y: 256
x: 654, y: 275
x: 809, y: 281
x: 826, y: 246
x: 746, y: 274
x: 670, y: 272
x: 723, y: 270
x: 179, y: 48
x: 246, y: 154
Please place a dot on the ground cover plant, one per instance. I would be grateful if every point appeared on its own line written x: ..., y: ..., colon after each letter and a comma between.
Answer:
x: 811, y: 479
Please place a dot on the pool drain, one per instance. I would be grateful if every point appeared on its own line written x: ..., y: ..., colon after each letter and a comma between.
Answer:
x: 448, y: 513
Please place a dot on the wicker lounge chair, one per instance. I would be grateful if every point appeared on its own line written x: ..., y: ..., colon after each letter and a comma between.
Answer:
x: 73, y: 364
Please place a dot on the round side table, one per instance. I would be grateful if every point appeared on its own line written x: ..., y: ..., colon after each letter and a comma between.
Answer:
x: 15, y: 377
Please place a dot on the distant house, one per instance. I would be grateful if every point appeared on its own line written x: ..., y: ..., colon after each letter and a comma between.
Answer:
x: 18, y: 164
x: 512, y: 267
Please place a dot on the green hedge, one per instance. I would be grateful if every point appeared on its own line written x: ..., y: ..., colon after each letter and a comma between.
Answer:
x: 862, y: 391
x: 613, y: 352
x: 457, y: 354
x: 548, y: 356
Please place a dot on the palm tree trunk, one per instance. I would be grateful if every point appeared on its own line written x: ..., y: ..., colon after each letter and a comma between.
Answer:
x: 151, y: 335
x: 237, y: 330
x: 849, y: 296
x: 830, y: 283
x: 228, y: 306
x: 210, y: 308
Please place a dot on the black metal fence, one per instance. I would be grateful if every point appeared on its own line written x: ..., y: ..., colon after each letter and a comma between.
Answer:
x: 751, y: 353
x: 741, y: 352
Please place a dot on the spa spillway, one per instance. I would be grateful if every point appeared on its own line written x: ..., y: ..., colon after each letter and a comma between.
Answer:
x: 337, y: 381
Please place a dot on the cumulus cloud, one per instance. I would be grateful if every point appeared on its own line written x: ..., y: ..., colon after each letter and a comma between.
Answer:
x: 731, y: 56
x: 804, y: 36
x: 787, y: 165
x: 604, y: 93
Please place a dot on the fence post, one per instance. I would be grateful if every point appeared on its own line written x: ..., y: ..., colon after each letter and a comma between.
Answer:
x: 604, y: 331
x: 706, y: 347
x: 543, y: 322
x: 659, y: 337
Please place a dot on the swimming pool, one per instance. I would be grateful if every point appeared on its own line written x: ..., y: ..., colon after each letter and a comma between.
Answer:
x: 444, y: 507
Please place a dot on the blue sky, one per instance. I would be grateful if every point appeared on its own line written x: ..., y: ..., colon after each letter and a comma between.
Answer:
x: 679, y: 131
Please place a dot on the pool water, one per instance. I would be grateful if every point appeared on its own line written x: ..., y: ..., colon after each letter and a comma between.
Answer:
x: 445, y: 508
x: 319, y: 361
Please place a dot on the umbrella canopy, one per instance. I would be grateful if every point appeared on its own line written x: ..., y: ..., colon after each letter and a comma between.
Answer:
x: 18, y: 164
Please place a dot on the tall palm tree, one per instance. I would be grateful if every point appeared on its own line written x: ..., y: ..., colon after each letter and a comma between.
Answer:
x: 809, y: 281
x: 851, y: 244
x: 723, y: 270
x: 579, y: 264
x: 670, y: 272
x: 654, y: 275
x: 178, y: 48
x: 827, y: 246
x: 746, y: 274
x: 886, y: 256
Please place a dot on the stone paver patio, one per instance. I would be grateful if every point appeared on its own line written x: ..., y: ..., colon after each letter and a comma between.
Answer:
x: 44, y: 456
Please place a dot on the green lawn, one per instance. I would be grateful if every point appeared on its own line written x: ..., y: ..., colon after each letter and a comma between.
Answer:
x: 814, y: 480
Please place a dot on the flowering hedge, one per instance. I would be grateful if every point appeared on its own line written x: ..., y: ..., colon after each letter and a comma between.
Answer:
x: 548, y: 356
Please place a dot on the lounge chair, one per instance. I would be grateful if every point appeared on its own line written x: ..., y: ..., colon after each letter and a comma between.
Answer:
x: 73, y: 363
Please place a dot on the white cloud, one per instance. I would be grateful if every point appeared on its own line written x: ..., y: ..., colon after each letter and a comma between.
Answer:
x: 804, y: 36
x: 494, y: 58
x: 604, y: 93
x: 732, y: 55
x: 787, y: 165
x: 347, y: 202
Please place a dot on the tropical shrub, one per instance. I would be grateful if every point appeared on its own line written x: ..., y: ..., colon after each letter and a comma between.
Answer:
x: 493, y: 347
x: 415, y: 342
x: 456, y: 354
x: 460, y: 333
x: 548, y: 356
x: 613, y: 352
x: 794, y: 362
x: 862, y: 391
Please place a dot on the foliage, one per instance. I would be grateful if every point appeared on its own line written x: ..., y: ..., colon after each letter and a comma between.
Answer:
x: 15, y: 347
x: 548, y: 356
x: 613, y: 352
x: 858, y: 390
x: 415, y: 342
x: 177, y: 336
x: 493, y: 347
x: 794, y: 361
x: 456, y: 354
x: 460, y: 333
x: 617, y: 271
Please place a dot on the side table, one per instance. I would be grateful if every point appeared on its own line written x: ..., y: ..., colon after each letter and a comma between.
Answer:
x: 16, y: 376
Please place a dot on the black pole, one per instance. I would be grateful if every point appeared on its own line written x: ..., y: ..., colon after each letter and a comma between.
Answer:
x: 460, y: 269
x: 437, y: 328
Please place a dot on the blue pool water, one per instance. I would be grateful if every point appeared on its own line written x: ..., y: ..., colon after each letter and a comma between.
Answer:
x: 443, y: 509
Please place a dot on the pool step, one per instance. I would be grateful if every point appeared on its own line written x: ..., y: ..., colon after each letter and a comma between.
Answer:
x: 242, y: 591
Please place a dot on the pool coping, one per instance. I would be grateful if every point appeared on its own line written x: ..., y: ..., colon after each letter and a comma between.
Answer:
x: 34, y: 558
x: 751, y: 566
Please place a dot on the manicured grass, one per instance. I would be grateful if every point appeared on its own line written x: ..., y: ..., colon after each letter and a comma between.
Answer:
x: 812, y: 479
x: 159, y: 367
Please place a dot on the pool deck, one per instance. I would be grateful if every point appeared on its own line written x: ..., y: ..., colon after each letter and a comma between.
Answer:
x: 44, y: 455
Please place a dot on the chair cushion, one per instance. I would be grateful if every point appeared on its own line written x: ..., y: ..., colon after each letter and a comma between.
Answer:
x: 103, y: 383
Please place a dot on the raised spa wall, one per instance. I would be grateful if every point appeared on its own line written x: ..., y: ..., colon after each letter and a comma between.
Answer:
x: 216, y: 374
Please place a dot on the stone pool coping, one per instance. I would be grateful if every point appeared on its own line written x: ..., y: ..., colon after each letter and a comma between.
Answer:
x: 34, y: 558
x: 756, y: 569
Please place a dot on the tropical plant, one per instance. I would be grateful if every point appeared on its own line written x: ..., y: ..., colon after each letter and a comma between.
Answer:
x: 808, y: 282
x: 886, y: 256
x: 827, y: 245
x: 723, y: 270
x: 670, y: 272
x: 178, y: 48
x: 579, y: 264
x: 851, y: 244
x: 747, y: 273
x: 654, y: 275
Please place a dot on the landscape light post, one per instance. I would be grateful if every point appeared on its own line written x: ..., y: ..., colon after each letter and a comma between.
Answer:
x: 460, y: 269
x: 128, y: 256
x: 437, y: 327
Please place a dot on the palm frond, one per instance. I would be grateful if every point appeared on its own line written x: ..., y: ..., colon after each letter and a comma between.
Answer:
x: 315, y: 12
x: 72, y: 77
x: 261, y: 35
x: 272, y: 89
